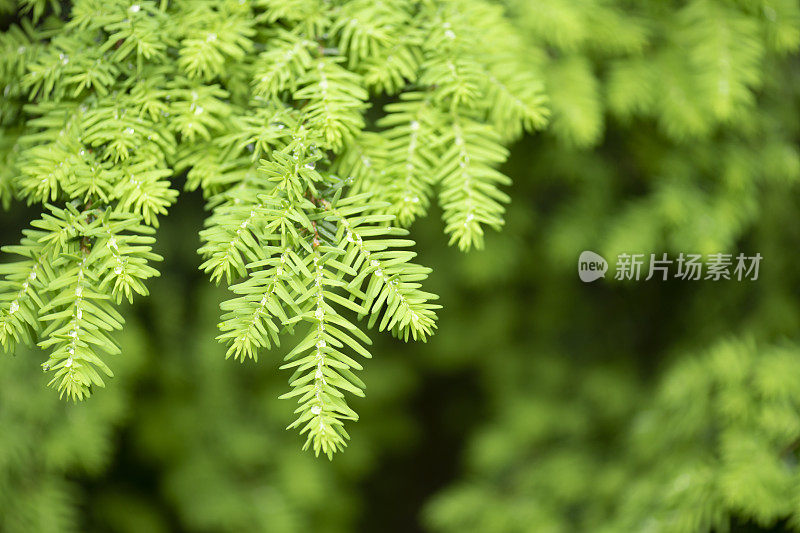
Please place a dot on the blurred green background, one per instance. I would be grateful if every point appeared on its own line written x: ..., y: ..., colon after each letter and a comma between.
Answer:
x: 542, y: 404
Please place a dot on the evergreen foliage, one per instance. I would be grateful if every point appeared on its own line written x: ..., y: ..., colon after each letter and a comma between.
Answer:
x: 686, y: 141
x: 261, y: 105
x: 39, y: 483
x: 316, y: 134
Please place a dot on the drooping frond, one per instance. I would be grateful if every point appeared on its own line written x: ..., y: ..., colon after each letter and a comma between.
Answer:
x: 270, y: 110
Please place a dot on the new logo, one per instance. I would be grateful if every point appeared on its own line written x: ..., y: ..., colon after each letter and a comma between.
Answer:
x: 591, y: 266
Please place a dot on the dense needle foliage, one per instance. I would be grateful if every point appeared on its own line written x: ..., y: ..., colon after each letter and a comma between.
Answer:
x: 315, y: 132
x: 261, y: 105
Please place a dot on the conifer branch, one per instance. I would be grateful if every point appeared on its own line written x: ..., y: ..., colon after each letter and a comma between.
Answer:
x: 263, y: 107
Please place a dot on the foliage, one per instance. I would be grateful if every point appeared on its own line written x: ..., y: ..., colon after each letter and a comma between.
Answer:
x: 645, y: 408
x: 262, y: 106
x: 542, y: 403
x: 46, y: 444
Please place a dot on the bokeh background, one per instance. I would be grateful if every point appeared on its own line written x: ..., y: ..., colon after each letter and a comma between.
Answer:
x: 543, y: 404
